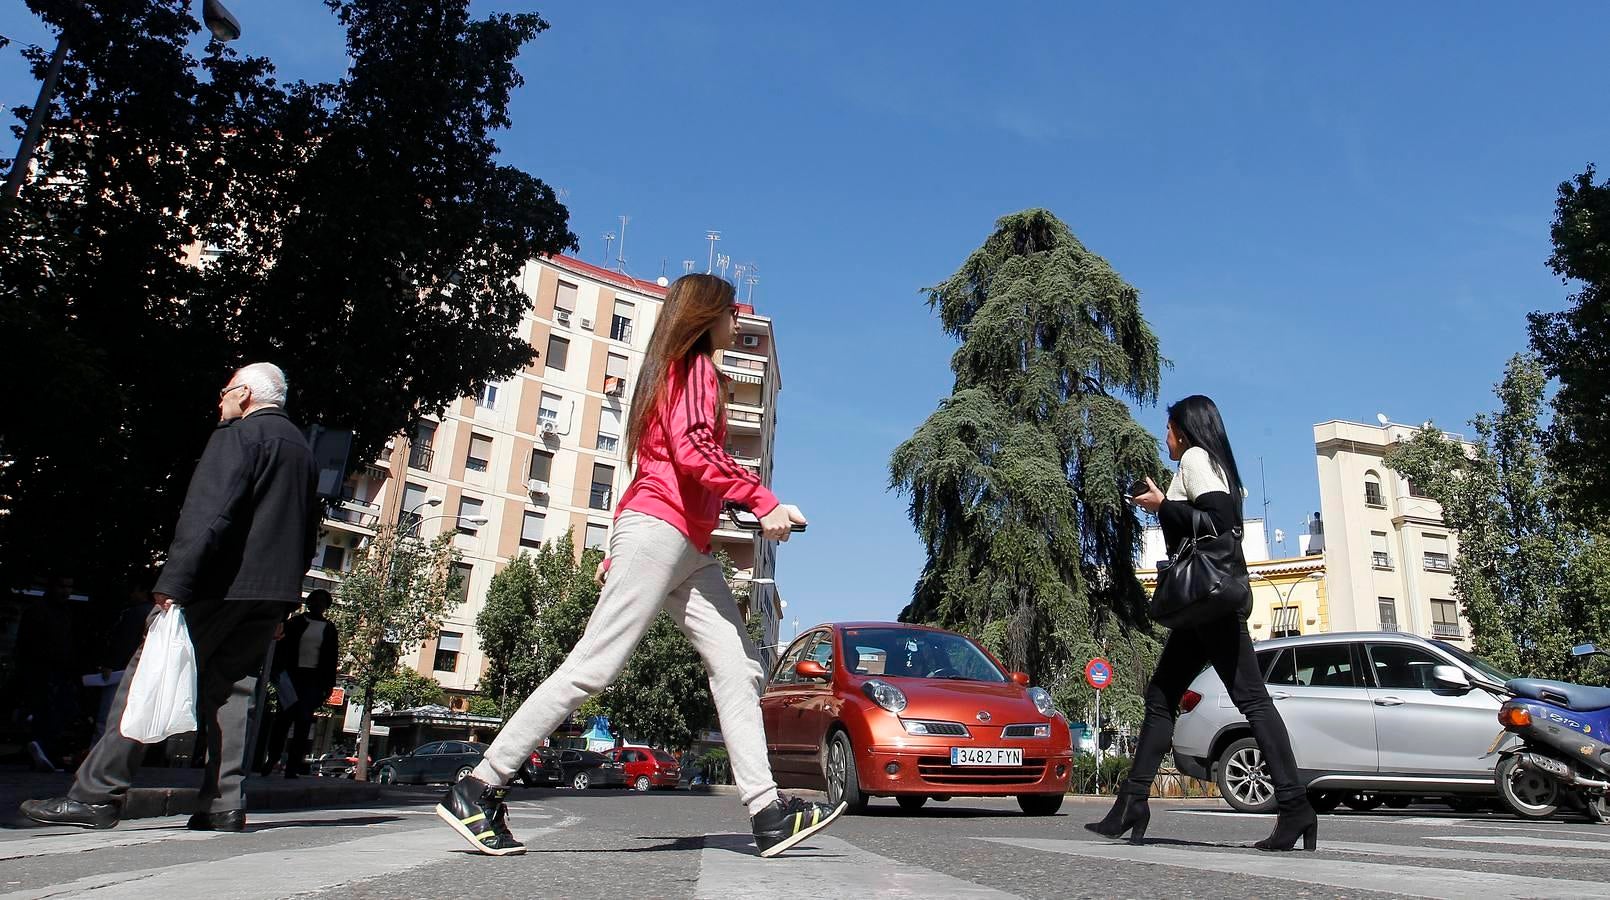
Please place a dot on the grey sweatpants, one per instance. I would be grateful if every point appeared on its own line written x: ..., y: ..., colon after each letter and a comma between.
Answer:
x: 652, y: 566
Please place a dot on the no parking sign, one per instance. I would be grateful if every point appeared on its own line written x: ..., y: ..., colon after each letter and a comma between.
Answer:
x: 1098, y: 673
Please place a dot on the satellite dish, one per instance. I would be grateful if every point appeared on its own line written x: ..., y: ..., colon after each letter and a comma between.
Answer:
x: 662, y: 281
x: 1381, y: 417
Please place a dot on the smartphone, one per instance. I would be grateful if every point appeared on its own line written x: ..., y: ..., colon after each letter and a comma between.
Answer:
x: 748, y: 521
x: 1136, y: 489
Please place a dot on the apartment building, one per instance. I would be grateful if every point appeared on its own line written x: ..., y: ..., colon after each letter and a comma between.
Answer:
x: 1288, y: 593
x: 544, y: 451
x: 1388, y: 554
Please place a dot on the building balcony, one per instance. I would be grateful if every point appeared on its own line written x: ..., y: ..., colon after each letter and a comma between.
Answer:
x: 1448, y: 632
x: 1381, y: 560
x: 745, y: 419
x: 1389, y: 626
x: 321, y: 579
x: 1438, y: 563
x: 745, y: 368
x: 353, y: 515
x: 420, y: 456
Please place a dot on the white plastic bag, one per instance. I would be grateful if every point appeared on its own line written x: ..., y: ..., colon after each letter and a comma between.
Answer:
x: 162, y: 694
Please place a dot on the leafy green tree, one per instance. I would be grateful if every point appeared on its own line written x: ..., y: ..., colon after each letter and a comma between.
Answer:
x: 1573, y: 346
x: 1531, y: 582
x: 1016, y: 480
x: 393, y: 599
x: 405, y: 688
x: 526, y: 625
x: 364, y: 237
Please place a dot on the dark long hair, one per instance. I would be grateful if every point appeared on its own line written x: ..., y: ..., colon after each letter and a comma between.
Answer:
x: 692, y: 305
x: 1197, y: 420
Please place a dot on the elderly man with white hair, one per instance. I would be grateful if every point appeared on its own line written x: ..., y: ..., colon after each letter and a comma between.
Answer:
x: 244, y: 538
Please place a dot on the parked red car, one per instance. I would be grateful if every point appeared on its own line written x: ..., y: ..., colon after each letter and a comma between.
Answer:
x: 647, y: 768
x: 881, y: 709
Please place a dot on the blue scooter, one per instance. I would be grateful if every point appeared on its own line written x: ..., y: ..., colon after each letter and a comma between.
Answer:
x: 1555, y: 746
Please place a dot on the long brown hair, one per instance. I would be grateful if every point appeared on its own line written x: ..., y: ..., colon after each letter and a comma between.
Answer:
x: 692, y: 305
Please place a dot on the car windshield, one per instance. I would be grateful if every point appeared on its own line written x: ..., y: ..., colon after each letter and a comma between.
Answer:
x: 1487, y: 669
x: 916, y: 653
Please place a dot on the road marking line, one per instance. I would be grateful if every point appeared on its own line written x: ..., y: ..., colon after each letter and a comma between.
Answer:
x: 79, y: 842
x: 821, y: 866
x: 1535, y: 842
x: 280, y: 873
x: 1414, y: 852
x: 1419, y: 881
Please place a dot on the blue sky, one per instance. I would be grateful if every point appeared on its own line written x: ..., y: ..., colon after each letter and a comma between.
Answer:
x: 1329, y: 212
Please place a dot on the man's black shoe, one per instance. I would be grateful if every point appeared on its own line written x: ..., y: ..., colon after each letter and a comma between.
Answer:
x: 228, y: 820
x: 67, y: 811
x: 789, y: 820
x: 477, y: 812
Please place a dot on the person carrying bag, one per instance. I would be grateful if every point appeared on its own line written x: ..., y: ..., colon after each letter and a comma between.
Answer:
x: 1204, y: 598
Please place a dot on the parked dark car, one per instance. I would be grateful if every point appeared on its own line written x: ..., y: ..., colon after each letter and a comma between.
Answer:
x: 434, y: 763
x: 583, y: 769
x: 334, y: 765
x: 542, y: 768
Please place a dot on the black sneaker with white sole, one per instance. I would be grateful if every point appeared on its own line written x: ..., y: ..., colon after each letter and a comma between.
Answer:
x: 789, y: 820
x: 477, y: 812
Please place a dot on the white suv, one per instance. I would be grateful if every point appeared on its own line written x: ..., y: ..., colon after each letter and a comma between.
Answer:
x: 1368, y: 721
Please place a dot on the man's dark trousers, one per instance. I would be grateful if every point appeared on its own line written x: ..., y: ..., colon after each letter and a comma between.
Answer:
x: 231, y: 639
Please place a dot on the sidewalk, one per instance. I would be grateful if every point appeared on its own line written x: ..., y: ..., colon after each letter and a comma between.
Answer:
x: 172, y: 792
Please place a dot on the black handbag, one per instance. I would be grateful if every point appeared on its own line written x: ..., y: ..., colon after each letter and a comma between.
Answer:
x: 1205, y: 580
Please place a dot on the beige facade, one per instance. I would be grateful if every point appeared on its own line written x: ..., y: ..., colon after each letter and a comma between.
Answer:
x: 544, y: 451
x: 1388, y: 554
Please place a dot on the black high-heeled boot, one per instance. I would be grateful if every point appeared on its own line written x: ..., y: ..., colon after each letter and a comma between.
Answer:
x: 1129, y: 813
x: 1296, y: 820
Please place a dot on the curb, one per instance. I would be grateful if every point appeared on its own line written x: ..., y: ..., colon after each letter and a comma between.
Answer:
x: 152, y: 802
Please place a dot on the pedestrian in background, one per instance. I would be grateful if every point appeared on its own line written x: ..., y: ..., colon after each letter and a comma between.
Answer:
x: 245, y: 536
x: 1208, y: 483
x: 121, y: 644
x: 45, y: 656
x: 306, y: 656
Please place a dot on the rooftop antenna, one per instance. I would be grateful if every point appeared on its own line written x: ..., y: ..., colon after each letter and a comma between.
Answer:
x: 1265, y: 482
x: 609, y: 241
x: 1381, y: 417
x: 663, y: 281
x: 712, y: 237
x: 620, y: 251
x: 750, y: 299
x: 738, y: 274
x: 687, y: 266
x: 722, y: 262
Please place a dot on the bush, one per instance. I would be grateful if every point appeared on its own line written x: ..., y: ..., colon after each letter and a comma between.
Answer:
x: 485, y: 706
x: 1085, y: 780
x: 717, y: 766
x: 407, y: 689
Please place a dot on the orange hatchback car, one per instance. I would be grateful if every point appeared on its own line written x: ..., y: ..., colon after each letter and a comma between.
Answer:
x: 880, y: 709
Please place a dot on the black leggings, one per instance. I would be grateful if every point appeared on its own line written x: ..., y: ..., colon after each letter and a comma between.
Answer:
x: 1226, y: 644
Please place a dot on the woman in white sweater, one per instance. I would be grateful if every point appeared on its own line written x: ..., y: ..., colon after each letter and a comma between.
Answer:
x: 1207, y: 483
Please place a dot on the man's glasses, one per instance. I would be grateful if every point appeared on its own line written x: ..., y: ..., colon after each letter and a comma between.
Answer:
x: 225, y: 392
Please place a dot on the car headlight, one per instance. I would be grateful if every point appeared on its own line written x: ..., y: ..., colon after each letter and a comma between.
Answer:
x: 1042, y: 701
x: 884, y: 694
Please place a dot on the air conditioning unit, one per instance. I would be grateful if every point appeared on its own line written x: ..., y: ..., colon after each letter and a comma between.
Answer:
x: 549, y: 429
x: 751, y: 340
x: 615, y: 387
x: 562, y: 316
x: 587, y: 323
x: 537, y: 486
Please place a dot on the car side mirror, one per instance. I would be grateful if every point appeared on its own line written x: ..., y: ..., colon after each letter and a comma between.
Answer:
x: 1022, y: 678
x: 1450, y: 678
x: 810, y: 668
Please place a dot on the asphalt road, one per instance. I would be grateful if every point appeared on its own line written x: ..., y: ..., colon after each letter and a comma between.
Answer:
x: 617, y: 844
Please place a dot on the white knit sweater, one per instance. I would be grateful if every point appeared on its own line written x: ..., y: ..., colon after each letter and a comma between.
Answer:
x: 1197, y: 475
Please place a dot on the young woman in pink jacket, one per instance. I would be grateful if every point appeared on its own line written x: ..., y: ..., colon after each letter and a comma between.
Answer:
x: 659, y: 558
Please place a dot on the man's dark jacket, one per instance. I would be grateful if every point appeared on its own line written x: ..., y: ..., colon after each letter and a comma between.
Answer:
x: 250, y: 518
x: 288, y: 652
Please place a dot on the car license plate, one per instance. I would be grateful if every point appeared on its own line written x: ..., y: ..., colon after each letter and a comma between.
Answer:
x: 986, y: 756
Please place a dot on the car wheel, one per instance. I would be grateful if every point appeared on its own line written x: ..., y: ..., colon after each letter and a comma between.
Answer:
x: 1324, y: 801
x: 1363, y: 801
x: 1039, y: 804
x: 581, y: 781
x: 642, y: 784
x: 911, y: 802
x: 843, y: 783
x: 462, y: 774
x: 1531, y: 795
x: 387, y: 775
x: 1243, y: 781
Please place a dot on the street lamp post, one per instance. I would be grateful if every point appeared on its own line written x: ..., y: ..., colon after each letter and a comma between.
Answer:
x: 1285, y: 599
x: 362, y: 773
x: 219, y: 20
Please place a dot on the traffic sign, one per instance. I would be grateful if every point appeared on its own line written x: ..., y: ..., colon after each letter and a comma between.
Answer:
x: 1098, y: 673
